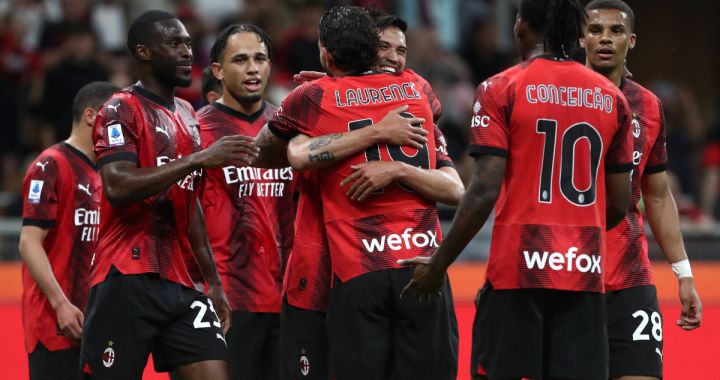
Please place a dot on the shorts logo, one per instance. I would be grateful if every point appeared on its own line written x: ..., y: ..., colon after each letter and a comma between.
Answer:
x: 115, y: 135
x: 35, y: 190
x: 108, y: 356
x: 304, y: 365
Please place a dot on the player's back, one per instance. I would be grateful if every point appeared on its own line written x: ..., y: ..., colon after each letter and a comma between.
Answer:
x: 557, y: 123
x: 396, y: 222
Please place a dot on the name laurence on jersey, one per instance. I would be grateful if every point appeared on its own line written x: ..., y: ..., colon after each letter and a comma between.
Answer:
x: 395, y: 223
x: 628, y: 264
x: 61, y: 192
x: 150, y: 235
x: 561, y: 128
x: 251, y: 211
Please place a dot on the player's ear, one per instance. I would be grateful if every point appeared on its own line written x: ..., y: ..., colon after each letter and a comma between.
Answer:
x: 633, y: 40
x: 142, y: 52
x: 89, y: 116
x: 217, y: 70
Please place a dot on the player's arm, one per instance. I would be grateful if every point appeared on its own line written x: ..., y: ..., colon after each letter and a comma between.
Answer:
x: 123, y: 182
x: 471, y: 215
x: 273, y: 150
x: 618, y: 193
x: 32, y: 252
x: 306, y: 153
x: 662, y: 216
x: 204, y: 257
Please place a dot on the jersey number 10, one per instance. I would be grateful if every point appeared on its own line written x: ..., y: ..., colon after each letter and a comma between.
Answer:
x: 578, y: 197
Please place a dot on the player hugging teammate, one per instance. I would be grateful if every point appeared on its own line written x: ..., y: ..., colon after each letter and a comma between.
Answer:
x: 323, y: 257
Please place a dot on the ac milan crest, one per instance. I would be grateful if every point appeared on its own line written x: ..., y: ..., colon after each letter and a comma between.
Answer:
x: 304, y: 365
x: 108, y: 356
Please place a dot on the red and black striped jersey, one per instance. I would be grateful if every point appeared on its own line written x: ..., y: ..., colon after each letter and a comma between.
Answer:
x: 250, y: 213
x: 61, y: 193
x: 628, y: 264
x: 561, y: 127
x: 396, y: 223
x: 149, y: 235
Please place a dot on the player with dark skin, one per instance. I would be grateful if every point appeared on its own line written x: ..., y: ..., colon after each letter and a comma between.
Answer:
x: 164, y: 63
x: 484, y: 189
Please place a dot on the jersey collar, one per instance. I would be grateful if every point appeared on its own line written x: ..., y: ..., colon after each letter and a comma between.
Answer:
x: 238, y: 114
x: 155, y: 98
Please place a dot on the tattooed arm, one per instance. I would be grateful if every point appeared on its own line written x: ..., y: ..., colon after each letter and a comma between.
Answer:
x: 311, y: 153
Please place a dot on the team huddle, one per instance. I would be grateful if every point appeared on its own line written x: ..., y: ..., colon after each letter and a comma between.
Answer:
x: 249, y: 241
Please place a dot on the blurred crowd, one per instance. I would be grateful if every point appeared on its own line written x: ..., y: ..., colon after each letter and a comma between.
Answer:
x: 51, y: 48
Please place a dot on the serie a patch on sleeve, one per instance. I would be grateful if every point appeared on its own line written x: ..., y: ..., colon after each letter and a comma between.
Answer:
x: 115, y: 135
x: 35, y: 191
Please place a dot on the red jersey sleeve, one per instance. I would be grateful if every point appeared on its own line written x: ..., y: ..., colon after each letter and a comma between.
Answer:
x: 116, y: 131
x: 492, y: 108
x: 298, y: 113
x: 657, y: 159
x: 619, y: 155
x: 435, y: 104
x: 441, y: 152
x: 40, y: 193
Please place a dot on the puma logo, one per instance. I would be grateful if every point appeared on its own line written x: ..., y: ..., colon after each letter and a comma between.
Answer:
x: 85, y: 188
x: 163, y: 130
x: 114, y: 107
x: 657, y: 351
x: 42, y: 165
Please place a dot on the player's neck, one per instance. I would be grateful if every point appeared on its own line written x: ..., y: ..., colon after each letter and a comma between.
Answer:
x: 82, y: 143
x: 616, y: 75
x: 534, y: 51
x: 249, y: 108
x: 158, y: 88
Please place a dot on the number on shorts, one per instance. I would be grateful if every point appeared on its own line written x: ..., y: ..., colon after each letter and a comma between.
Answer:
x: 656, y: 321
x: 198, y: 323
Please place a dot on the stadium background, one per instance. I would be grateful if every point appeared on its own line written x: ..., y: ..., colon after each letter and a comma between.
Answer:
x: 50, y: 48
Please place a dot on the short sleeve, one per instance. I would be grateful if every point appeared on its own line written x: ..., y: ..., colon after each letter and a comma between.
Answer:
x: 442, y: 157
x: 116, y: 131
x: 619, y: 155
x: 433, y: 100
x: 298, y: 113
x: 40, y: 193
x: 491, y: 115
x: 657, y: 159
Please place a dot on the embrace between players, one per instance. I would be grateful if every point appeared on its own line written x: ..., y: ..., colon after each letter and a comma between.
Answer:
x: 336, y: 191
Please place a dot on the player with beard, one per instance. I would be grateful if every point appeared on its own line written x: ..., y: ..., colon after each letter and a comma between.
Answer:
x: 252, y: 209
x: 60, y: 217
x: 553, y: 152
x: 142, y: 298
x: 635, y: 328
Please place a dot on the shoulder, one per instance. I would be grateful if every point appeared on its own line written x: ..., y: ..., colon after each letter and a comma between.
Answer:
x: 46, y: 162
x: 205, y: 111
x: 121, y: 103
x: 634, y: 90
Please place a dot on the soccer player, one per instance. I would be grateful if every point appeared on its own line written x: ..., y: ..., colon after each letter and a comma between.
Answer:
x: 635, y: 328
x: 372, y: 333
x: 148, y: 147
x: 553, y: 154
x: 252, y: 209
x: 61, y: 214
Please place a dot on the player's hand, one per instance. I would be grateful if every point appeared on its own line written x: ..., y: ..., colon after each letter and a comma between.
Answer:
x: 427, y: 279
x: 370, y: 177
x: 216, y: 294
x: 70, y: 320
x: 228, y: 149
x: 396, y: 129
x: 691, y: 314
x: 307, y: 76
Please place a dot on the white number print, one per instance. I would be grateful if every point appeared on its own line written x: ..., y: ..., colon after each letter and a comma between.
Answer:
x: 656, y: 321
x: 198, y: 323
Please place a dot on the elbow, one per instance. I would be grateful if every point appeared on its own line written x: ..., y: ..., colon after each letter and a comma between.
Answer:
x: 114, y: 196
x: 455, y: 194
x: 297, y: 160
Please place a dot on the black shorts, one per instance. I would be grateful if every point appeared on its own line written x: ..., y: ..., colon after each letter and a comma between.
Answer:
x: 254, y: 345
x: 635, y: 332
x: 130, y: 316
x: 539, y: 333
x: 54, y: 365
x: 304, y: 344
x: 374, y: 334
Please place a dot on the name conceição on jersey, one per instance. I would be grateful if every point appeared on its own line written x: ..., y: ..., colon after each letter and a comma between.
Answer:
x: 258, y: 182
